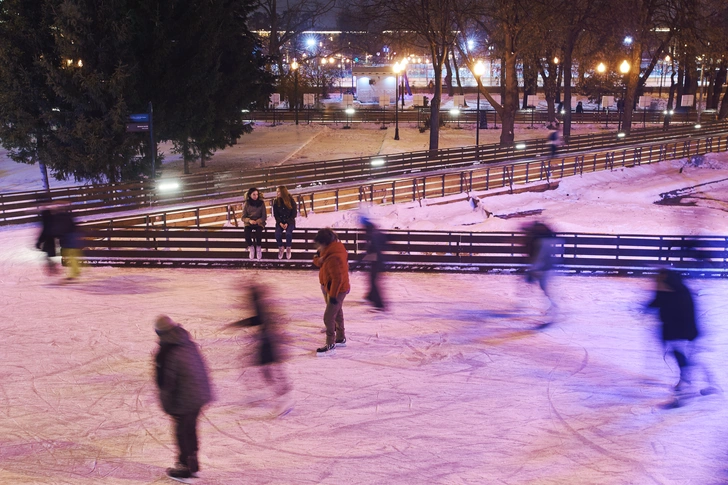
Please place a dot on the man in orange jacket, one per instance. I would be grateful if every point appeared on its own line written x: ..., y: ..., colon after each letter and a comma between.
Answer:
x: 332, y: 260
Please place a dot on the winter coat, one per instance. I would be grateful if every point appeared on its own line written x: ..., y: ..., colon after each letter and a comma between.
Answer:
x: 333, y: 269
x: 64, y: 227
x: 376, y: 242
x: 254, y: 210
x: 677, y: 313
x: 47, y: 240
x: 283, y: 214
x: 182, y: 376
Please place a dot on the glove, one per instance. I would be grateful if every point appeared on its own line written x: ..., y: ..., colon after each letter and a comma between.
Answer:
x: 333, y: 300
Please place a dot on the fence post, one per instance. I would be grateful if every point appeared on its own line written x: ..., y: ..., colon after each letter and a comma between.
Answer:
x: 336, y: 200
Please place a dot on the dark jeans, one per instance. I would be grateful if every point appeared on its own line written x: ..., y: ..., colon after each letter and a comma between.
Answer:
x: 185, y: 430
x: 374, y: 294
x: 289, y: 235
x: 254, y: 235
x: 334, y: 318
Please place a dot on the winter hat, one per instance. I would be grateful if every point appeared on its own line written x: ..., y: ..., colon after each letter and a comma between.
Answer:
x: 164, y: 324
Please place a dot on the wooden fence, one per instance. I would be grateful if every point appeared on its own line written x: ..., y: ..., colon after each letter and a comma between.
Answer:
x: 22, y: 207
x: 411, y: 250
x: 478, y: 179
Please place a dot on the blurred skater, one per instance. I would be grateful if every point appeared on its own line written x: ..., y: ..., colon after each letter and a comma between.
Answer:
x: 46, y: 239
x: 270, y: 355
x: 376, y: 242
x: 284, y: 212
x: 554, y: 138
x: 184, y: 388
x: 254, y: 216
x: 332, y: 260
x: 679, y: 330
x: 65, y: 228
x: 540, y: 240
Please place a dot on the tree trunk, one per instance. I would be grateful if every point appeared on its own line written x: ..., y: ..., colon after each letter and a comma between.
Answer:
x: 723, y: 112
x: 457, y: 78
x: 202, y: 160
x: 510, y: 100
x: 44, y: 177
x: 718, y: 83
x: 438, y: 60
x: 633, y: 80
x: 448, y: 76
x: 567, y: 64
x: 185, y: 156
x: 670, y: 99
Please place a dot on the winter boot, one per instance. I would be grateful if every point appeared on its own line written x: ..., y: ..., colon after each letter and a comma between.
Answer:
x: 288, y: 253
x: 260, y: 252
x: 252, y: 251
x: 280, y: 252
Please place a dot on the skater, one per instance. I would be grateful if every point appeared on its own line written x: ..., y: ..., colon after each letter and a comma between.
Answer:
x: 284, y: 212
x: 539, y: 248
x: 554, y: 138
x: 184, y: 388
x: 270, y: 355
x: 376, y: 242
x: 46, y: 239
x: 332, y: 260
x: 64, y: 227
x: 679, y: 329
x: 254, y: 216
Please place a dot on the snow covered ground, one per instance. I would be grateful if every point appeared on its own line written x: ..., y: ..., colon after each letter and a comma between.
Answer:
x: 454, y: 385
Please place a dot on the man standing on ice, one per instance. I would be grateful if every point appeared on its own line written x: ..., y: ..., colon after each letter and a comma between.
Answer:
x: 332, y: 260
x: 184, y: 388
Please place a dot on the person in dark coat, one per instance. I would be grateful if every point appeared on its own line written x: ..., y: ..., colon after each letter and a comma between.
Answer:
x: 679, y: 329
x: 284, y: 212
x: 270, y: 355
x: 184, y: 388
x: 539, y: 248
x: 46, y: 239
x: 376, y: 242
x: 69, y: 237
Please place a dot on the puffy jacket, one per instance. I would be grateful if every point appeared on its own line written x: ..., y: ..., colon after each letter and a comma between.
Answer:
x: 182, y: 377
x: 677, y: 312
x: 333, y: 269
x: 252, y: 211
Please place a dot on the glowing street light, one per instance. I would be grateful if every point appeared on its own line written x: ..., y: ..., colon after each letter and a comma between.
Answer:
x: 294, y: 66
x: 624, y: 69
x: 601, y: 68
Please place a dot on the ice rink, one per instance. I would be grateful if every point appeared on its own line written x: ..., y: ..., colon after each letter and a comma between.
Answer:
x: 453, y: 386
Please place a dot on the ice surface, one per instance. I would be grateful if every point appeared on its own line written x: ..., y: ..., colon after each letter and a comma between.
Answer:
x: 453, y: 386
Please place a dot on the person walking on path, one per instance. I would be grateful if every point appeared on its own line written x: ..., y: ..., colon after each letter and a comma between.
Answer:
x: 46, y: 239
x: 679, y: 330
x: 184, y: 388
x: 284, y: 212
x: 332, y: 260
x: 254, y: 217
x: 376, y: 242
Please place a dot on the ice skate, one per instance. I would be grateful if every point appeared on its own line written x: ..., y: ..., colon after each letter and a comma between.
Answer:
x: 326, y: 350
x: 181, y: 473
x: 341, y: 342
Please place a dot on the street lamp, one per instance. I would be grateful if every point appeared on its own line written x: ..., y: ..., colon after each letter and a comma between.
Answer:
x: 294, y: 66
x: 624, y: 69
x: 397, y: 69
x: 601, y: 69
x: 479, y: 71
x: 401, y: 80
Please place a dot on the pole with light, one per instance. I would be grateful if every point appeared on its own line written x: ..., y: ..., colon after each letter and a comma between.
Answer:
x: 397, y: 69
x: 294, y: 66
x: 624, y: 69
x: 401, y: 80
x: 479, y: 70
x: 700, y: 97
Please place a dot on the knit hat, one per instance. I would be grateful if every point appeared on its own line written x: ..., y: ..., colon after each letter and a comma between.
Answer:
x: 164, y: 324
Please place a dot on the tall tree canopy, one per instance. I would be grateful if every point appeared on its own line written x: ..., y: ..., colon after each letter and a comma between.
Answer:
x: 73, y: 70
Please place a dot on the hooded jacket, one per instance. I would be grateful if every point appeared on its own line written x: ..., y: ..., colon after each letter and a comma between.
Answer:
x: 333, y: 269
x: 677, y: 310
x: 254, y: 210
x: 182, y: 377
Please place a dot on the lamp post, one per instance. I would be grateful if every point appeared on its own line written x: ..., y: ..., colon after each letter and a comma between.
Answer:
x: 479, y: 71
x: 700, y: 97
x: 397, y: 69
x: 601, y: 68
x: 401, y: 80
x: 624, y: 69
x: 294, y: 66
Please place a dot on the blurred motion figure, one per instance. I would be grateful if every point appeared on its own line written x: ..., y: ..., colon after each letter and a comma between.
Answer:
x: 376, y: 242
